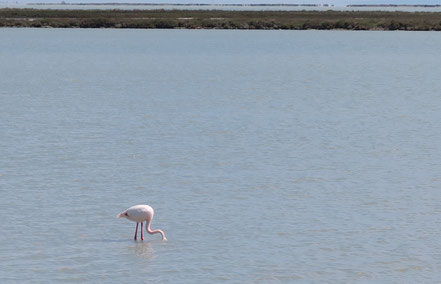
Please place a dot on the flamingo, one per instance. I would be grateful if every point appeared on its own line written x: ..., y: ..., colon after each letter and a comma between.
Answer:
x: 139, y: 214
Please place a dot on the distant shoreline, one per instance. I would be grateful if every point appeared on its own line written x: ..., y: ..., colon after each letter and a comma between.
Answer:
x: 180, y: 4
x: 219, y: 19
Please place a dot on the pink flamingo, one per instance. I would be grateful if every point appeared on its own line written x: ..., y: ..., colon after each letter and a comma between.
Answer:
x: 139, y: 214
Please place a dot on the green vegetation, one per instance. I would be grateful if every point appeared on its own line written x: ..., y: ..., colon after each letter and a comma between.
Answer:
x: 217, y: 19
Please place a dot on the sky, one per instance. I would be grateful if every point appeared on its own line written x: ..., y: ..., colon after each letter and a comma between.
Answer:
x: 334, y: 2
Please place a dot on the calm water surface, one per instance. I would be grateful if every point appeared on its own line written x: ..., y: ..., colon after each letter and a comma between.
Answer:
x: 269, y: 156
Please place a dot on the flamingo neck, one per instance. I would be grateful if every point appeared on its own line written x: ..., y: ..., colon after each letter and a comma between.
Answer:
x: 157, y: 231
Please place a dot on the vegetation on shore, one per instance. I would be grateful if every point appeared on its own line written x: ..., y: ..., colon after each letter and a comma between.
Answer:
x: 217, y: 19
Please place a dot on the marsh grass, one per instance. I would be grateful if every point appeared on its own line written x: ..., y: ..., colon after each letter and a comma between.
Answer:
x: 216, y: 19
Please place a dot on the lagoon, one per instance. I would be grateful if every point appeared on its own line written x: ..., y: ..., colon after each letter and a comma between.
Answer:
x: 269, y: 156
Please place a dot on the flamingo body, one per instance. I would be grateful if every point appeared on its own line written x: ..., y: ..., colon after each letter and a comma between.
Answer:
x: 139, y: 214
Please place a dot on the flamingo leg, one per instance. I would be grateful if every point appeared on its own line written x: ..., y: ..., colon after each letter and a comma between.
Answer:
x: 142, y: 236
x: 136, y: 232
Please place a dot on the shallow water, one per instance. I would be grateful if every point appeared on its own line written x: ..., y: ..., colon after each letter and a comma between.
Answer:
x: 268, y: 155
